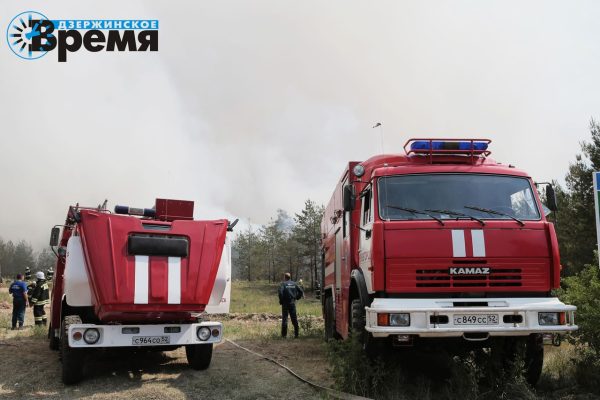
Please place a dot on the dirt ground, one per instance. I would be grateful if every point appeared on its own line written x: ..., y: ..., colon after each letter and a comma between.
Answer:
x: 31, y: 370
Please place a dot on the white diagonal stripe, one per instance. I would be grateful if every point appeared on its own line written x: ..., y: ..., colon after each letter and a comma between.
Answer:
x: 329, y: 269
x: 174, y: 281
x: 140, y: 294
x: 458, y: 243
x: 478, y: 243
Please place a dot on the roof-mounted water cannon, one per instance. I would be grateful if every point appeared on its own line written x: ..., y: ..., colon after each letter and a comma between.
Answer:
x: 142, y: 212
x: 231, y: 225
x: 163, y: 210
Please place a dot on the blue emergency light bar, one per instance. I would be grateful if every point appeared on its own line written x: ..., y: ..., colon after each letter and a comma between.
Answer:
x: 473, y: 148
x: 444, y: 145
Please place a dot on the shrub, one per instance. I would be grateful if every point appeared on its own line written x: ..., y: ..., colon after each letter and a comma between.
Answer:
x: 421, y: 374
x: 583, y: 291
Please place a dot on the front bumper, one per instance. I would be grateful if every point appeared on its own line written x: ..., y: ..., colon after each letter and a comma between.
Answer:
x: 425, y: 315
x: 144, y: 335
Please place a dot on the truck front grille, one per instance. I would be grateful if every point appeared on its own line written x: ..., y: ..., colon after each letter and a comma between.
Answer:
x: 440, y: 278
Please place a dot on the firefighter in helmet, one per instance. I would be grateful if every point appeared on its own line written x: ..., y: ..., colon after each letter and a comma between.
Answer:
x: 289, y: 292
x: 39, y: 298
x: 49, y: 273
x: 30, y: 283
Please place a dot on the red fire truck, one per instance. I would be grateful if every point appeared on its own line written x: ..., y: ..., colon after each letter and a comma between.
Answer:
x: 138, y: 278
x: 442, y: 244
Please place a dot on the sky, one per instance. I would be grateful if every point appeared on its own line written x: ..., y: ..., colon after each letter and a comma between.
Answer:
x: 251, y: 106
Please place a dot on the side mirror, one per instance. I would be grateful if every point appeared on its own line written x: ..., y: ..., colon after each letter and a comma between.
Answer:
x: 349, y: 198
x: 54, y: 236
x: 551, y: 198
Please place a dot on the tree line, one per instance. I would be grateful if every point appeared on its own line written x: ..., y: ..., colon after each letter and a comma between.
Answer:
x: 285, y: 244
x: 15, y: 257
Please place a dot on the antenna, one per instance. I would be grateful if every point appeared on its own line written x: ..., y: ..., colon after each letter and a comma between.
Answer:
x: 385, y: 190
x: 380, y: 126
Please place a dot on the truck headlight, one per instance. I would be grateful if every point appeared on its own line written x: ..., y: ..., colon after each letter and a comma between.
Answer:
x: 91, y: 335
x: 548, y: 318
x: 203, y: 333
x: 358, y: 170
x: 400, y: 319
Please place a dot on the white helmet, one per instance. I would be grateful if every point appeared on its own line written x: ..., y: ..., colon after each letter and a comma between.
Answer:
x: 39, y: 275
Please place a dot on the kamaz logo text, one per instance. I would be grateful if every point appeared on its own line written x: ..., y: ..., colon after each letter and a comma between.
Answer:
x: 469, y: 271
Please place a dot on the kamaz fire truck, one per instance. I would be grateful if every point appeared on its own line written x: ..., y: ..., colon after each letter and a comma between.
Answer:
x: 138, y: 278
x: 442, y: 245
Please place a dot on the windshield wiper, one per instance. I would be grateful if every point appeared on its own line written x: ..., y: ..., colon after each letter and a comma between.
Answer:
x: 490, y: 211
x: 450, y: 212
x: 414, y: 211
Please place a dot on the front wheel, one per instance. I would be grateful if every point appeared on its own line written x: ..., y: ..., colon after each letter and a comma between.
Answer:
x: 199, y: 356
x: 372, y: 346
x: 534, y: 358
x: 529, y: 349
x: 72, y: 359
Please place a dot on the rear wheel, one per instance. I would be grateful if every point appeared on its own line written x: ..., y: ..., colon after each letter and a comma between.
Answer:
x: 72, y: 359
x: 329, y: 318
x: 199, y: 355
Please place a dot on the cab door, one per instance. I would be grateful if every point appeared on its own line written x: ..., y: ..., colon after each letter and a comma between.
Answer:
x: 365, y: 232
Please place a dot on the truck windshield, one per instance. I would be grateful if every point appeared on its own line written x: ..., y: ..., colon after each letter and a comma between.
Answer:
x: 452, y: 196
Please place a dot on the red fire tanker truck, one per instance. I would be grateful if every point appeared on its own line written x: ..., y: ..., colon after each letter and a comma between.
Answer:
x: 138, y: 278
x: 442, y: 246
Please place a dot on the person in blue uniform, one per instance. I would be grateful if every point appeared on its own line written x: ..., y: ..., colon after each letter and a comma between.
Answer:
x: 289, y: 292
x: 18, y: 289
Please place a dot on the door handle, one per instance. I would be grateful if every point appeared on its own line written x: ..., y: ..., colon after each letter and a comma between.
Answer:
x: 368, y: 234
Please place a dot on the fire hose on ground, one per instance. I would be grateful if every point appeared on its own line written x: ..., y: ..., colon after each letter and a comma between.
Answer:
x: 330, y: 392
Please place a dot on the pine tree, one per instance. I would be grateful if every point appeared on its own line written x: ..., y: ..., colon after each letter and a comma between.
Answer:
x: 576, y: 220
x: 308, y: 234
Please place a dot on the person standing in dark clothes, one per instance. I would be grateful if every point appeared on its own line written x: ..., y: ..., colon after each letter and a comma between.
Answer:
x: 289, y: 292
x: 20, y: 302
x: 40, y: 296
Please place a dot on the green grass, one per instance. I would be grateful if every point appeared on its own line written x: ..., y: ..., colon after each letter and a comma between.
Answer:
x: 559, y: 367
x: 261, y: 297
x: 235, y: 329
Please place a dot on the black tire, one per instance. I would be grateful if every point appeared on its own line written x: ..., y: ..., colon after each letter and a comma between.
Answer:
x: 534, y: 358
x: 199, y: 355
x: 373, y: 347
x: 357, y: 319
x: 329, y: 318
x: 72, y: 359
x: 53, y: 341
x: 529, y: 349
